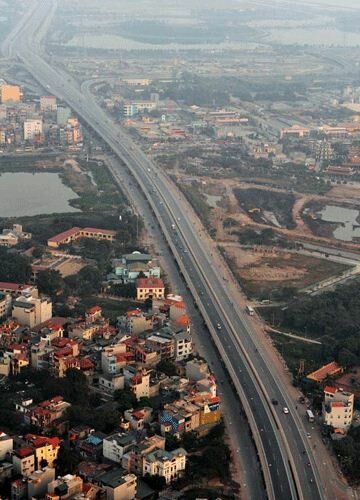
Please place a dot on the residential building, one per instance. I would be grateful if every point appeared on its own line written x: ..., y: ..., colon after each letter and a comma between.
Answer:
x: 128, y: 268
x: 338, y: 408
x: 169, y: 465
x: 64, y: 488
x: 31, y: 311
x: 46, y: 449
x: 132, y: 461
x: 114, y: 358
x: 5, y: 305
x: 48, y: 103
x: 136, y: 321
x: 47, y: 413
x: 32, y: 129
x: 6, y: 445
x: 111, y: 383
x: 38, y: 482
x: 118, y: 485
x: 11, y: 237
x: 150, y: 288
x: 24, y: 461
x: 139, y: 417
x: 117, y: 444
x: 139, y: 382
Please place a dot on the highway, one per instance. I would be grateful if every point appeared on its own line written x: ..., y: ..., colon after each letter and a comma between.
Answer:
x: 286, y: 457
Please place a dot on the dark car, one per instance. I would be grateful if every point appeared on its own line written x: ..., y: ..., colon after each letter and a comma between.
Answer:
x: 275, y: 402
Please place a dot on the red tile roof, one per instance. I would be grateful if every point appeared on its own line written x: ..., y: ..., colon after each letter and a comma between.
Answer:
x: 93, y: 310
x: 149, y: 283
x: 331, y: 390
x: 109, y: 232
x: 337, y: 404
x: 325, y: 371
x: 24, y: 452
x: 64, y: 235
x: 5, y: 285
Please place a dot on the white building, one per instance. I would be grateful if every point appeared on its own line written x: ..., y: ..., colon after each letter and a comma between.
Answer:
x: 338, y: 408
x: 166, y: 464
x: 5, y: 304
x: 111, y: 383
x: 6, y: 445
x: 31, y: 311
x: 183, y: 345
x: 116, y: 445
x: 32, y: 128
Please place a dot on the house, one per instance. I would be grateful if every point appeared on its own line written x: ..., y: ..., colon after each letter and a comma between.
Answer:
x: 46, y: 449
x: 169, y: 465
x: 112, y: 382
x: 24, y: 461
x: 136, y: 321
x: 338, y: 408
x: 47, y: 413
x: 31, y: 311
x: 130, y: 266
x: 137, y: 418
x: 132, y: 461
x: 64, y: 488
x: 11, y: 237
x: 150, y: 288
x: 6, y: 445
x: 118, y: 484
x: 38, y: 482
x: 117, y: 444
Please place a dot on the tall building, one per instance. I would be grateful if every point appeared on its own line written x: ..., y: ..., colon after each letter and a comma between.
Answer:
x: 9, y: 93
x: 62, y: 115
x: 48, y: 103
x: 32, y: 128
x: 338, y: 408
x: 31, y: 311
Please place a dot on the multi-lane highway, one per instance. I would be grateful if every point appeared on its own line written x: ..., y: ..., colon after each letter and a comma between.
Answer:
x: 287, y: 461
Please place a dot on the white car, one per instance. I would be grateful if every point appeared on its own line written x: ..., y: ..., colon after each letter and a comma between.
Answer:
x: 285, y: 410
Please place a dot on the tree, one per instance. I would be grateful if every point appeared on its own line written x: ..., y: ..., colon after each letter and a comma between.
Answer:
x: 38, y: 252
x: 13, y: 267
x: 125, y: 399
x: 50, y: 282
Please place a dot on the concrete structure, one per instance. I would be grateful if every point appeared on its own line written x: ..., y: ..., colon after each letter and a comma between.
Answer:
x: 46, y: 449
x: 111, y: 383
x: 48, y: 103
x: 169, y: 465
x: 62, y: 115
x: 24, y: 461
x: 38, y: 482
x: 77, y: 233
x: 11, y: 237
x: 6, y: 445
x: 5, y: 304
x: 136, y: 321
x: 132, y: 461
x: 32, y: 129
x: 139, y: 417
x: 64, y: 487
x: 31, y: 311
x: 150, y: 288
x: 128, y: 268
x: 117, y: 444
x: 338, y: 408
x: 119, y: 485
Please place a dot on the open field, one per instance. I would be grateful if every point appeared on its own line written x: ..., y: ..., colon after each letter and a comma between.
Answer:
x: 262, y: 271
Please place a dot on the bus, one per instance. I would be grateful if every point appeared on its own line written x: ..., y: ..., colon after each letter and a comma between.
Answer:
x: 310, y: 416
x: 250, y: 310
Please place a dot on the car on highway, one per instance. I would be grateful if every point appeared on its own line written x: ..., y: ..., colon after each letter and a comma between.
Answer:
x: 286, y: 410
x: 218, y: 326
x: 275, y: 402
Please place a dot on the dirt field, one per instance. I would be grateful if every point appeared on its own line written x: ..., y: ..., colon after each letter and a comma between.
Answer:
x: 261, y: 272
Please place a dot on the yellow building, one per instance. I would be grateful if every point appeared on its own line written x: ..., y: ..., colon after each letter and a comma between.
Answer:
x: 46, y: 449
x: 10, y: 93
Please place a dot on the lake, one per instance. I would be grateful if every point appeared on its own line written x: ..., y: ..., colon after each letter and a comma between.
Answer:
x: 23, y: 193
x: 347, y: 218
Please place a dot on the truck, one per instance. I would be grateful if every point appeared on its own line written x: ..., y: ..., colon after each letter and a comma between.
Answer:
x: 250, y: 310
x: 310, y: 416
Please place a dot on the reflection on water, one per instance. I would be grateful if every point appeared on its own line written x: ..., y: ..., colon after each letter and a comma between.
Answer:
x: 350, y: 226
x: 23, y: 193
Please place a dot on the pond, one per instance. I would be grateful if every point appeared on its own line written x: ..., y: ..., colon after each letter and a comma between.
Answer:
x: 24, y: 193
x: 349, y: 225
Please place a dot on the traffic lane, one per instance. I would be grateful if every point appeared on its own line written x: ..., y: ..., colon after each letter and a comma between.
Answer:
x: 148, y: 185
x: 270, y: 443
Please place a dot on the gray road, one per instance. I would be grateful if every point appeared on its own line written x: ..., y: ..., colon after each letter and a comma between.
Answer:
x: 287, y: 461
